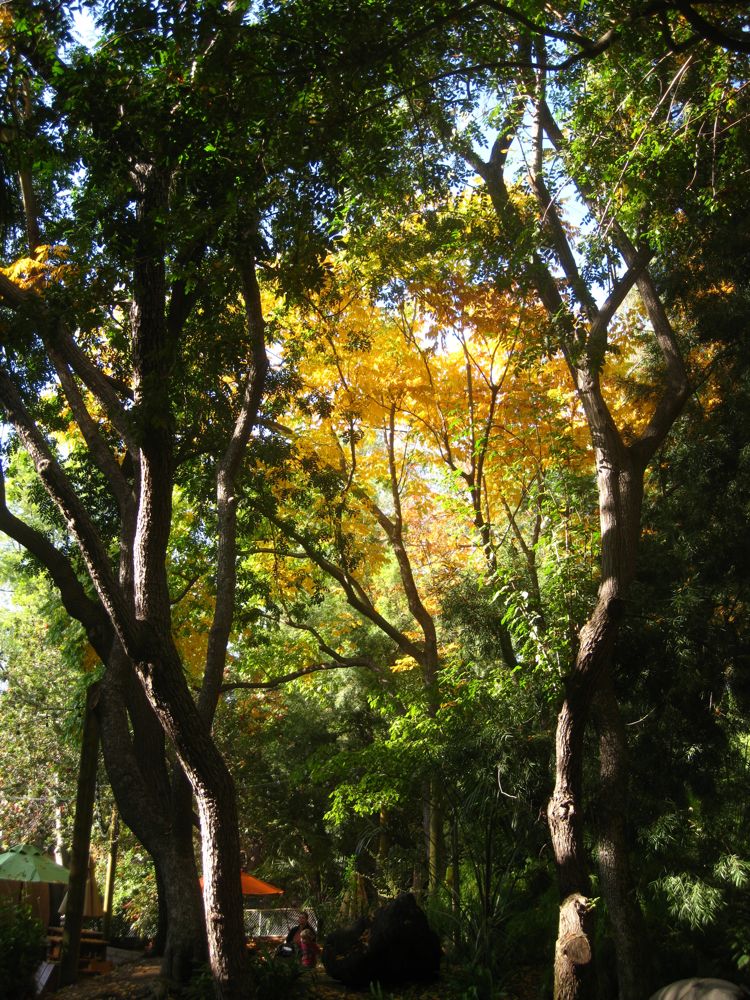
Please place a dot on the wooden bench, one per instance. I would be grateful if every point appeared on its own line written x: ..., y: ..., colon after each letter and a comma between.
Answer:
x: 92, y: 958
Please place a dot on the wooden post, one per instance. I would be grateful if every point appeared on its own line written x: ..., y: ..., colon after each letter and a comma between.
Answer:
x: 79, y: 854
x: 109, y: 884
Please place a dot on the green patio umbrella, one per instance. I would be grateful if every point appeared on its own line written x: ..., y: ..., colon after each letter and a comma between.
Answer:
x: 27, y: 864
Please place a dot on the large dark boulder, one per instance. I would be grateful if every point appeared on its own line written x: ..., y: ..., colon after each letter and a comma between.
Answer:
x: 396, y: 945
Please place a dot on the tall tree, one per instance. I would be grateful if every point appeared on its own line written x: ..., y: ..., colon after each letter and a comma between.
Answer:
x: 164, y: 159
x: 532, y: 68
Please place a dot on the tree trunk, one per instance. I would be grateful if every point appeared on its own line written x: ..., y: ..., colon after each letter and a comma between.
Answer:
x: 620, y: 487
x: 148, y: 640
x: 158, y: 944
x: 384, y: 838
x: 161, y: 675
x: 620, y: 468
x: 573, y: 977
x: 185, y: 944
x: 574, y: 970
x: 625, y: 915
x: 435, y: 838
x: 79, y: 855
x: 222, y: 897
x: 159, y: 819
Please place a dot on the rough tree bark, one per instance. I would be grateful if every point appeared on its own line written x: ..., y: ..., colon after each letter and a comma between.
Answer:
x: 633, y: 961
x: 157, y: 812
x: 133, y: 750
x: 133, y: 617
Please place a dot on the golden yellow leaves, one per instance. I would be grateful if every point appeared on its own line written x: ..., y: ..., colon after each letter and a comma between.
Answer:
x: 191, y: 625
x: 6, y: 25
x: 47, y: 267
x: 421, y: 402
x: 404, y: 664
x: 292, y: 578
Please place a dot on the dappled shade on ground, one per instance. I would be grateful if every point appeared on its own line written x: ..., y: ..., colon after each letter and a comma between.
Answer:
x: 140, y: 978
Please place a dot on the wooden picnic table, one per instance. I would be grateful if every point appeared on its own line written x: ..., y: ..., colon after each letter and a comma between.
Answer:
x: 92, y: 959
x: 269, y: 942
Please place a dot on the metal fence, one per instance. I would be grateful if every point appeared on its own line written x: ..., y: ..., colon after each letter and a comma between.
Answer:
x: 274, y: 923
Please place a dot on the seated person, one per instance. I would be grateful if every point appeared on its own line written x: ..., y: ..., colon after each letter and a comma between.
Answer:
x: 301, y: 941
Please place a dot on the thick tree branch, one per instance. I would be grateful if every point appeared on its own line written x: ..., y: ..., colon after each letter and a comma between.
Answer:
x: 97, y: 446
x: 100, y: 385
x: 677, y: 387
x: 184, y: 590
x: 13, y: 295
x: 561, y: 246
x: 74, y: 598
x: 226, y: 496
x: 79, y: 523
x: 712, y: 32
x: 103, y: 388
x: 296, y: 674
x: 597, y: 334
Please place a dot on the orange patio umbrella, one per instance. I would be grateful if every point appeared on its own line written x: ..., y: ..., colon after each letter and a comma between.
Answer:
x: 252, y: 886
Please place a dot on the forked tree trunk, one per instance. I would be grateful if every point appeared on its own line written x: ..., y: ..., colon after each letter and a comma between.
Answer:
x: 135, y: 603
x: 162, y: 822
x: 148, y: 640
x: 216, y: 799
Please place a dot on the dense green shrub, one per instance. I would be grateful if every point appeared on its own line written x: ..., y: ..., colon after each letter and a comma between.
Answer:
x: 274, y: 977
x: 21, y: 948
x: 271, y: 978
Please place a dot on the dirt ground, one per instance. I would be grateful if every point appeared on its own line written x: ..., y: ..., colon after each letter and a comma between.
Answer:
x: 136, y: 977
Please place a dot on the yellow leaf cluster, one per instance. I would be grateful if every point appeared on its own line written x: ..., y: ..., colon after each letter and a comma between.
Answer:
x: 47, y: 267
x: 403, y: 664
x: 6, y: 25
